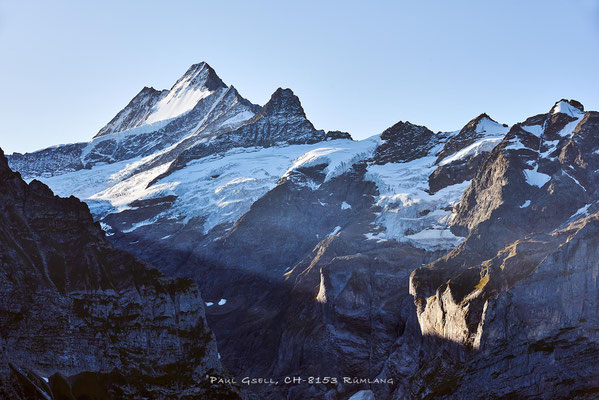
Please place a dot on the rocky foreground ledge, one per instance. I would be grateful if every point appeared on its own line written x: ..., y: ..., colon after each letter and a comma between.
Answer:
x: 80, y: 319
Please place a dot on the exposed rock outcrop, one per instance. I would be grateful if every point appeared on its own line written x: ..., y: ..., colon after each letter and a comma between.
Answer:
x: 520, y: 291
x: 73, y: 306
x: 405, y: 142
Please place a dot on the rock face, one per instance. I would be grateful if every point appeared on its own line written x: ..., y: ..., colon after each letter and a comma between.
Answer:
x: 404, y: 142
x: 94, y: 319
x: 419, y: 263
x: 520, y: 291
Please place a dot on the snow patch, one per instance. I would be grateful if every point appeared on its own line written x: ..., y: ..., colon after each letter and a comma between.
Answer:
x: 476, y: 148
x: 525, y: 204
x: 345, y: 206
x: 584, y: 210
x: 491, y: 128
x: 515, y: 145
x: 238, y: 118
x: 575, y: 180
x: 536, y: 178
x: 568, y: 130
x: 106, y: 228
x: 536, y: 130
x: 222, y: 302
x: 335, y: 231
x: 139, y: 225
x: 379, y: 237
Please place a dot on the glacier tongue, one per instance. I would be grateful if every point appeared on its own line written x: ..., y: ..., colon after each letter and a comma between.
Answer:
x: 409, y: 213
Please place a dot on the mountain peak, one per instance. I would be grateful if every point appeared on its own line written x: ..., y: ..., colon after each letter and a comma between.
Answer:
x: 570, y: 107
x: 201, y: 64
x: 404, y: 129
x: 198, y: 82
x: 482, y: 124
x: 283, y: 101
x: 482, y: 127
x: 475, y: 121
x: 200, y: 75
x: 135, y: 112
x: 404, y: 142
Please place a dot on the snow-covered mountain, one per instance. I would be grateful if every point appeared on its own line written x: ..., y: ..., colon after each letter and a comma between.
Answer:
x: 206, y: 155
x: 303, y: 241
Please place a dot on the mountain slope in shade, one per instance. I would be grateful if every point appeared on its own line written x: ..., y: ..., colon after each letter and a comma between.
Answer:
x: 80, y: 317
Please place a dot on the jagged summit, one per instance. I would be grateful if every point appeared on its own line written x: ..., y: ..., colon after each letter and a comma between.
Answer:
x: 200, y: 75
x: 151, y: 105
x: 199, y: 82
x: 150, y: 89
x: 281, y: 120
x: 233, y: 93
x: 282, y: 101
x: 569, y: 107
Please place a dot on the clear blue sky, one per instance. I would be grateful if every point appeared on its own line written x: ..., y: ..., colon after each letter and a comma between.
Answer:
x: 66, y: 68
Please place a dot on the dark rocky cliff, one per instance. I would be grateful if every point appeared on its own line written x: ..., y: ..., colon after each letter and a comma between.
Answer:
x: 80, y: 319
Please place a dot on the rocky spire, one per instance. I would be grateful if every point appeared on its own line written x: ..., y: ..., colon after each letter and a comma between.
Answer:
x: 283, y: 102
x: 281, y: 120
